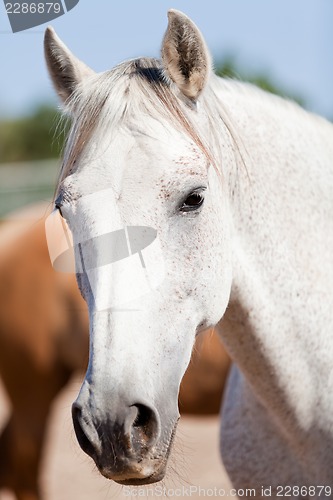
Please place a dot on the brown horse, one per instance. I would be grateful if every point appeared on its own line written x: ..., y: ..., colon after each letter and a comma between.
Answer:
x: 44, y: 340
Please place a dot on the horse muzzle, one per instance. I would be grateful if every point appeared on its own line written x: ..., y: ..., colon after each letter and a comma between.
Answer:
x: 123, y: 443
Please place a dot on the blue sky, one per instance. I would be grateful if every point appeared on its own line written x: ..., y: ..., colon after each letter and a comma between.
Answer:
x: 289, y: 40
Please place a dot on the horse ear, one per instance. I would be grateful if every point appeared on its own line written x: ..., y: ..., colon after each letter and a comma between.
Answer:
x: 185, y: 55
x: 66, y: 71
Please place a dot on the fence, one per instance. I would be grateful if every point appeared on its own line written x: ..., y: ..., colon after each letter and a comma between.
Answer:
x: 24, y: 183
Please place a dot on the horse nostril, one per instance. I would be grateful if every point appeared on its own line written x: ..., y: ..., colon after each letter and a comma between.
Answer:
x: 79, y: 424
x: 145, y: 428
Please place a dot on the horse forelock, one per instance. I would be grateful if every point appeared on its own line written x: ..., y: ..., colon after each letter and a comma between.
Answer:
x: 106, y: 101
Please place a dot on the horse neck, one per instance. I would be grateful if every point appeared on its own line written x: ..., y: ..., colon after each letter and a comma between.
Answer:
x: 278, y: 325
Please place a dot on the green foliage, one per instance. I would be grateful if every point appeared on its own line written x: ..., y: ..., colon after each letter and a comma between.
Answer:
x: 35, y: 137
x: 228, y: 69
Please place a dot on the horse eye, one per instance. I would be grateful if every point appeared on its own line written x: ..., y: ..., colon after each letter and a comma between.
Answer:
x: 192, y: 202
x: 58, y: 207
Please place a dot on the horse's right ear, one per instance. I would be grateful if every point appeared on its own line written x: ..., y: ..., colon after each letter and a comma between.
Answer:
x: 66, y: 71
x: 185, y: 56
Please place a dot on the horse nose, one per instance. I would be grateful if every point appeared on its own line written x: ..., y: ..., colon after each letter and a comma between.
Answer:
x: 85, y: 432
x: 145, y: 427
x: 128, y: 433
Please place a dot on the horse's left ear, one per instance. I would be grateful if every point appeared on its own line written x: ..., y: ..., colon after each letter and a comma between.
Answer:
x: 185, y: 55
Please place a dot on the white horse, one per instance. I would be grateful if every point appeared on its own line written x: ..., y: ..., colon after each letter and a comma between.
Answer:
x: 235, y: 187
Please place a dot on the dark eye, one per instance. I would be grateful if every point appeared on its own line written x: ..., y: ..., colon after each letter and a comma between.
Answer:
x: 58, y: 202
x: 58, y: 207
x: 193, y: 201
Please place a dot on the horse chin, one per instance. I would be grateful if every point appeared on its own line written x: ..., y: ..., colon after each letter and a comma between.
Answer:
x: 154, y: 478
x: 135, y: 477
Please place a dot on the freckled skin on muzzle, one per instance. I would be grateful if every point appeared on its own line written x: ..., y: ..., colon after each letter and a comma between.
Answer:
x: 126, y: 447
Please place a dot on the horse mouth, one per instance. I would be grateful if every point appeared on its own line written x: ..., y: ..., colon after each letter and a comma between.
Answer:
x: 136, y: 474
x: 141, y: 472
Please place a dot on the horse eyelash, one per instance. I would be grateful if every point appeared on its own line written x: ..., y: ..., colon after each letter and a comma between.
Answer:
x: 197, y: 191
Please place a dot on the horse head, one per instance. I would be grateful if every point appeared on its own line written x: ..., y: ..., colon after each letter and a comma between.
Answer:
x: 143, y: 198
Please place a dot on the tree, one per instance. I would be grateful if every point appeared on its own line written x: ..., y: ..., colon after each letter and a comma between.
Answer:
x: 34, y: 137
x: 228, y: 69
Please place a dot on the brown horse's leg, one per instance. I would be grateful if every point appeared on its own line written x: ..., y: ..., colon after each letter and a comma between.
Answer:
x: 22, y: 440
x: 6, y: 478
x: 19, y: 457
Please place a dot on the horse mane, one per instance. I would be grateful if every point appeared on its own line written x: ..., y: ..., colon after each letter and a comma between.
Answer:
x: 106, y: 101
